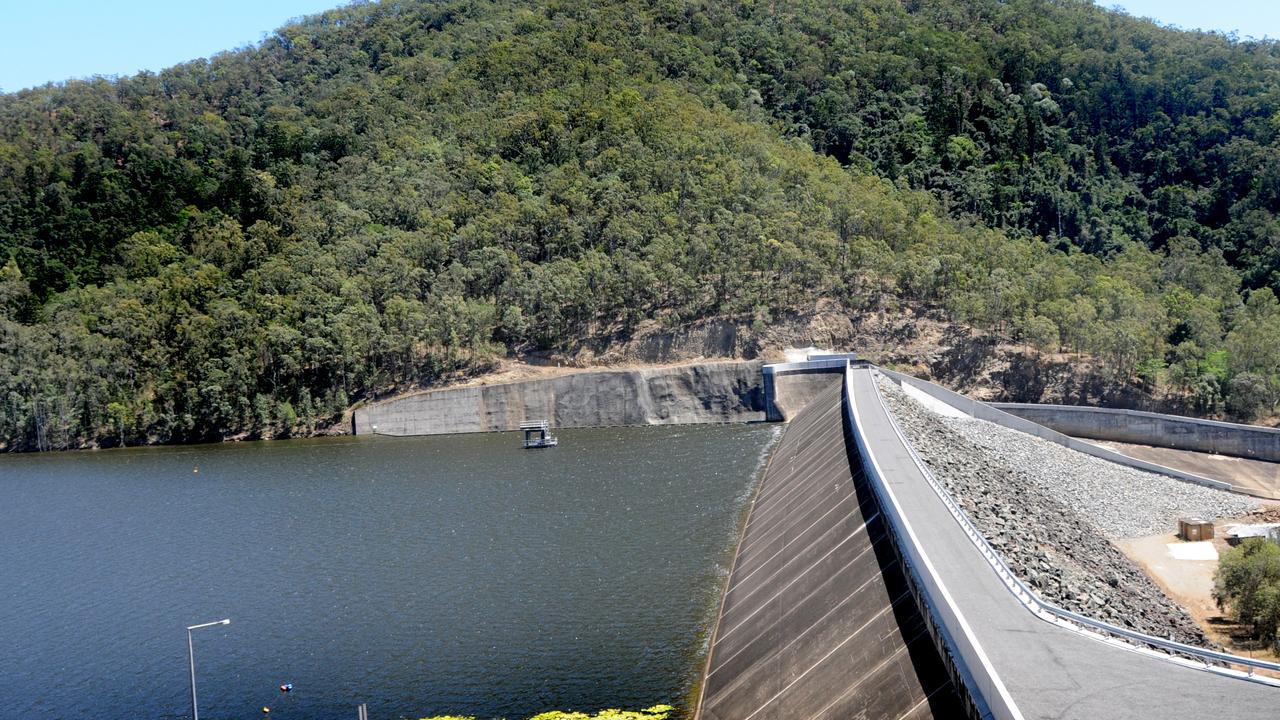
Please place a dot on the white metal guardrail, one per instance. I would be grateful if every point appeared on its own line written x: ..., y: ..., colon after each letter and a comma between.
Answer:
x: 1177, y: 652
x: 990, y: 696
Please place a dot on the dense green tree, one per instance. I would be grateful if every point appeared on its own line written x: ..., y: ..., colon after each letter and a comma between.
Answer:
x: 390, y: 192
x: 1247, y: 582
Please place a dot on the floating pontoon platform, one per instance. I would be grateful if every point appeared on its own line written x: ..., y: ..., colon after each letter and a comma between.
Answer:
x: 537, y: 434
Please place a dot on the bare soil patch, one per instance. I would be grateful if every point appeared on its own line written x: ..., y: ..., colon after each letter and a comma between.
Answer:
x: 1190, y: 584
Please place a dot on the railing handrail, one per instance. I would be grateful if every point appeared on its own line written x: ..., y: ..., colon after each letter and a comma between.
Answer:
x: 820, y: 363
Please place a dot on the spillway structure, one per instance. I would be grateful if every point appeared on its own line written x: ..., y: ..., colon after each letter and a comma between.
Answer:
x: 861, y: 589
x: 818, y: 620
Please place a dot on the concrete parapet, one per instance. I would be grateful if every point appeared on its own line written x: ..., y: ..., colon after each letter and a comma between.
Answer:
x: 984, y: 690
x: 1147, y: 428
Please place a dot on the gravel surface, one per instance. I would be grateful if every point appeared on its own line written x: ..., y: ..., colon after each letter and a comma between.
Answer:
x: 1048, y: 535
x: 1125, y: 502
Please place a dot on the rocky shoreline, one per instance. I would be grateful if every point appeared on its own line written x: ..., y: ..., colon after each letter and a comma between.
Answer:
x: 1051, y: 519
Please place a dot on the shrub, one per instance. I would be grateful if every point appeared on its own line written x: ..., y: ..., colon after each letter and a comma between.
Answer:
x: 657, y: 712
x: 1247, y: 583
x: 1248, y: 394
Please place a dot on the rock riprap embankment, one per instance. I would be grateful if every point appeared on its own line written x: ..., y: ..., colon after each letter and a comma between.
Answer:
x: 1124, y: 502
x: 1051, y: 543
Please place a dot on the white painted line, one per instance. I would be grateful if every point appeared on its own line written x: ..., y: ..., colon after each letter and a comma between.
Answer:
x: 1002, y: 704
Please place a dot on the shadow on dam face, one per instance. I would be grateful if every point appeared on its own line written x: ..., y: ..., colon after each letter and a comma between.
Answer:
x: 818, y: 620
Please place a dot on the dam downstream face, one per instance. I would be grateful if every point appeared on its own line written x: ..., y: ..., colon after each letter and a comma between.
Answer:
x: 818, y: 620
x: 420, y: 575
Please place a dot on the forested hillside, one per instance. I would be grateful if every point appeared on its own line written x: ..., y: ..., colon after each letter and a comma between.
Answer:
x: 394, y: 191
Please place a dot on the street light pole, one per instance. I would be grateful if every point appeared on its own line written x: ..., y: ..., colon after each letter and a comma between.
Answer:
x: 191, y: 656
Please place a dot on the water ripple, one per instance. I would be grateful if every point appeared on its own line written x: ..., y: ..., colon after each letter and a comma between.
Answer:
x: 419, y: 575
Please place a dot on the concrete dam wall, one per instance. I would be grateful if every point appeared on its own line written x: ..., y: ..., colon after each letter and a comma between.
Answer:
x: 862, y: 589
x: 818, y: 620
x: 713, y: 392
x: 1146, y: 428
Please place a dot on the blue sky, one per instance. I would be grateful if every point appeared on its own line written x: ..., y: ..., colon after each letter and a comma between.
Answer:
x: 53, y: 40
x: 1247, y: 18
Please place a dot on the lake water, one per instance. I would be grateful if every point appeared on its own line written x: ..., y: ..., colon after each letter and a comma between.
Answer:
x: 420, y: 575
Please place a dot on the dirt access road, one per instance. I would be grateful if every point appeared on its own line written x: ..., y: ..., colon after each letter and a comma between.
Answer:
x: 1190, y: 584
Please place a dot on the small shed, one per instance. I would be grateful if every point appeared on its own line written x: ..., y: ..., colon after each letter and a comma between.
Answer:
x: 1195, y: 529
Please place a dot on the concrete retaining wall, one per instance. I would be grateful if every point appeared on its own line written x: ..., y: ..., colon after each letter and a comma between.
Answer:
x: 1146, y: 428
x: 992, y: 413
x: 788, y: 387
x: 703, y: 393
